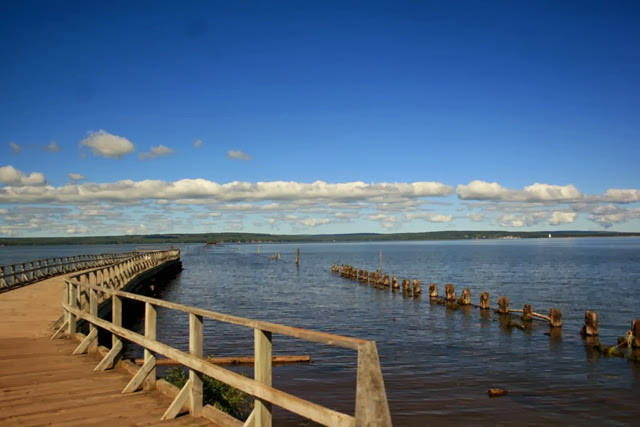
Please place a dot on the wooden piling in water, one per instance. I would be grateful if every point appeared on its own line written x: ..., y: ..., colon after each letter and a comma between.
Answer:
x: 503, y: 305
x: 433, y: 290
x: 555, y: 318
x: 465, y: 297
x: 485, y: 301
x: 386, y: 282
x: 298, y: 256
x: 394, y: 283
x: 635, y: 328
x: 590, y: 328
x: 449, y: 292
x: 372, y: 278
x: 527, y: 313
x: 417, y: 288
x: 406, y: 286
x: 378, y: 278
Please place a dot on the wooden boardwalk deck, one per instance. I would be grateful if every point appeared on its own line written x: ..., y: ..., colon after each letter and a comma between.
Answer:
x: 41, y: 383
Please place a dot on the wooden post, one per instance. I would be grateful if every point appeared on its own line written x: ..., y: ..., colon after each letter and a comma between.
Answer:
x: 116, y: 317
x: 372, y: 408
x: 527, y: 313
x: 406, y: 286
x: 258, y: 249
x: 555, y: 317
x: 394, y: 283
x: 485, y: 300
x: 450, y: 292
x: 372, y: 278
x: 195, y: 377
x: 380, y: 262
x: 150, y: 317
x: 503, y: 305
x: 73, y: 302
x: 262, y: 373
x: 365, y: 276
x: 465, y: 297
x: 590, y: 327
x: 385, y: 281
x: 635, y: 328
x: 93, y: 310
x: 378, y: 278
x: 297, y: 256
x: 417, y: 288
x: 433, y: 290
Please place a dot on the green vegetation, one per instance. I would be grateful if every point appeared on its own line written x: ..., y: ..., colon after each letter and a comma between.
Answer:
x: 216, y: 393
x: 165, y: 239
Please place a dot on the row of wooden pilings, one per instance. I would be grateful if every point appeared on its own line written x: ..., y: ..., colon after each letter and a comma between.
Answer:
x: 414, y: 288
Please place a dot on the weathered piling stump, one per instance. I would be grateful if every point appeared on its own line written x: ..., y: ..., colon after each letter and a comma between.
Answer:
x: 298, y: 256
x: 386, y: 282
x: 417, y: 288
x: 485, y: 301
x: 590, y: 328
x: 527, y: 313
x: 449, y: 292
x: 503, y: 305
x: 394, y: 283
x: 354, y: 273
x: 372, y: 278
x: 433, y: 290
x: 335, y: 268
x: 465, y: 297
x: 635, y: 328
x: 406, y: 286
x: 378, y: 278
x: 555, y: 318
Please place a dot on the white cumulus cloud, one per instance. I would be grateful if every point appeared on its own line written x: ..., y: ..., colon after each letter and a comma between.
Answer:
x: 482, y: 190
x: 558, y: 218
x: 104, y: 144
x: 76, y: 177
x: 238, y: 155
x: 618, y: 195
x: 156, y: 152
x: 197, y: 143
x: 16, y: 178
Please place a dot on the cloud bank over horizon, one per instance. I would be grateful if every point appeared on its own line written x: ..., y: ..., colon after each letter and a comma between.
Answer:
x: 199, y: 204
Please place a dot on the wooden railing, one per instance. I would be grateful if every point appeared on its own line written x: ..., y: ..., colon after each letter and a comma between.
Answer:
x: 81, y: 302
x: 16, y: 275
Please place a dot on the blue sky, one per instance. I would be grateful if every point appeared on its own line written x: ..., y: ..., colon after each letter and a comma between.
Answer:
x: 318, y: 116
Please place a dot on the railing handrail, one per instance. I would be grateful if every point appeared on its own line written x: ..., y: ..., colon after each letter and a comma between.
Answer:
x: 371, y: 402
x: 22, y: 273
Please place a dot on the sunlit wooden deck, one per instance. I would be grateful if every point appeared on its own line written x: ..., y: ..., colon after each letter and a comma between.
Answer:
x: 42, y: 383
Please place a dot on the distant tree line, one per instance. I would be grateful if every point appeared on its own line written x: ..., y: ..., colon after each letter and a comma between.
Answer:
x: 164, y: 239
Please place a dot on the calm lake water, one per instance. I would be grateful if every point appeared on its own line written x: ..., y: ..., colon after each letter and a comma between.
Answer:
x: 437, y: 363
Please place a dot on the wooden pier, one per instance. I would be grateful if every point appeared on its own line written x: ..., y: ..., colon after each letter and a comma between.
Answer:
x: 58, y: 381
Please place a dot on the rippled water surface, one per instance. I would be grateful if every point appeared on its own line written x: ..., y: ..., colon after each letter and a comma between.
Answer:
x: 437, y: 363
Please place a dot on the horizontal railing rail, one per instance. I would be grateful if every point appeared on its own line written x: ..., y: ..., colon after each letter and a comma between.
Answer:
x: 20, y: 274
x: 81, y: 297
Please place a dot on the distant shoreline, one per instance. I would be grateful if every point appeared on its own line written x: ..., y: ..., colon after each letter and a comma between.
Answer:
x: 256, y: 238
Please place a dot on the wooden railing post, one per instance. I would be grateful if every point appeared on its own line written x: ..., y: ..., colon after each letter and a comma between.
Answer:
x: 372, y: 408
x: 150, y: 316
x: 93, y: 310
x: 116, y: 317
x: 73, y: 303
x: 262, y: 373
x: 195, y: 377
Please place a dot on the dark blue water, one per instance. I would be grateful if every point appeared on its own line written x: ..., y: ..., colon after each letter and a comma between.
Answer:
x: 437, y: 363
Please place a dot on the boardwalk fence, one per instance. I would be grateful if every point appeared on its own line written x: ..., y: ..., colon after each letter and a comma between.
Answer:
x: 16, y: 275
x: 81, y: 297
